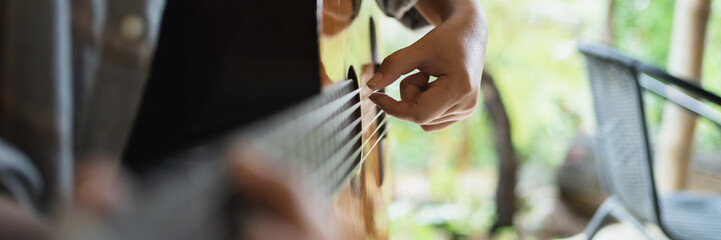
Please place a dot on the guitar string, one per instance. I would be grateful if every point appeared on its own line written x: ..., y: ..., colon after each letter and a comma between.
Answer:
x: 342, y: 151
x: 337, y: 103
x: 333, y: 121
x: 353, y: 124
x: 347, y: 128
x: 334, y: 137
x: 335, y: 158
x: 334, y: 104
x: 364, y: 129
x: 360, y: 149
x: 336, y: 122
x: 336, y: 175
x: 326, y: 110
x: 380, y: 137
x: 344, y: 168
x: 381, y: 124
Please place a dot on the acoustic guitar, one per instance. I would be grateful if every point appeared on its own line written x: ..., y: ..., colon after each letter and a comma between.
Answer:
x: 333, y: 138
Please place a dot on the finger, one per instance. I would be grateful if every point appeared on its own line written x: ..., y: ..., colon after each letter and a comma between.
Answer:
x: 437, y: 127
x: 429, y: 104
x: 412, y: 85
x: 101, y: 187
x: 457, y: 110
x: 462, y: 107
x: 264, y: 226
x: 398, y: 63
x: 17, y: 223
x: 275, y: 192
x: 451, y: 117
x: 433, y: 102
x: 403, y: 110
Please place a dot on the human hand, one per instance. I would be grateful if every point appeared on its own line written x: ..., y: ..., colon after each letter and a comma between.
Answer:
x: 454, y: 52
x: 282, y: 205
x: 16, y: 223
x: 101, y: 186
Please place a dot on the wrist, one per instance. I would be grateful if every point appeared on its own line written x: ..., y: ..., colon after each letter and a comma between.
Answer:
x: 469, y: 11
x: 439, y: 11
x: 462, y: 8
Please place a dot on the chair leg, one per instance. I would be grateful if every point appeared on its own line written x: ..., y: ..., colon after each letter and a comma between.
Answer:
x: 612, y: 208
x: 626, y: 218
x: 600, y: 218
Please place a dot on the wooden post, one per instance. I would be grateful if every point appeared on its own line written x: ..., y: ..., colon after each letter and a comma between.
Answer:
x: 608, y: 34
x: 675, y: 142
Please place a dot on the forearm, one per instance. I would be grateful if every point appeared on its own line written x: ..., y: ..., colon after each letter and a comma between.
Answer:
x: 439, y: 11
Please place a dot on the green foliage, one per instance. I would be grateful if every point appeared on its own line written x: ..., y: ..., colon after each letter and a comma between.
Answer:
x: 507, y: 233
x: 533, y: 57
x: 643, y: 28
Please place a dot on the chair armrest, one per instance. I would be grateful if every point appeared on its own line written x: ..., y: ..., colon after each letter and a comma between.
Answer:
x: 680, y: 98
x: 660, y: 82
x: 693, y: 89
x: 607, y: 52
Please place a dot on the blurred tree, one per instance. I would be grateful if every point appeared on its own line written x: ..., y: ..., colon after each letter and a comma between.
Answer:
x: 508, y: 162
x: 608, y: 35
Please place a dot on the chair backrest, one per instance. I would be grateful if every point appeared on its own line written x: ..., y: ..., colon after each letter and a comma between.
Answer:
x: 622, y: 145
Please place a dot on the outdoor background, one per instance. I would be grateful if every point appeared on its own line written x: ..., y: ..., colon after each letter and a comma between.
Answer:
x: 444, y: 182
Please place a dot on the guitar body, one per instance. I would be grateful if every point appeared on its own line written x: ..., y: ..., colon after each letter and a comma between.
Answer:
x: 348, y: 50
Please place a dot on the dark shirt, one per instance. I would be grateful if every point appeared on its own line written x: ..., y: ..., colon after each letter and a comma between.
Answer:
x: 404, y: 11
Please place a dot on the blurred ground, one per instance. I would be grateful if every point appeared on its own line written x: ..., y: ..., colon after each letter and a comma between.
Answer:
x: 541, y: 215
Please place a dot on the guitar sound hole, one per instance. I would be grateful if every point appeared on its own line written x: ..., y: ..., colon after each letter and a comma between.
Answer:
x: 374, y: 46
x: 357, y: 114
x: 376, y: 66
x: 356, y: 182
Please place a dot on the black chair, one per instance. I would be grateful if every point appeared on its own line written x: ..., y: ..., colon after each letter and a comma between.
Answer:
x: 624, y: 152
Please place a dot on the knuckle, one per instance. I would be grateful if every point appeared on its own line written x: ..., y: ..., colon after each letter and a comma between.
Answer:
x: 466, y: 88
x: 472, y: 104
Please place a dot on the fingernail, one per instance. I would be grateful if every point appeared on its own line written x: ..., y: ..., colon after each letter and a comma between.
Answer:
x: 374, y: 80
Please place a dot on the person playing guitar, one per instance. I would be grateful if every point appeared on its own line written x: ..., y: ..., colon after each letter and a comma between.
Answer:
x: 453, y: 51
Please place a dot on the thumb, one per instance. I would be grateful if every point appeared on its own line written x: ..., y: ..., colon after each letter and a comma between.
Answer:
x: 398, y: 63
